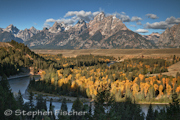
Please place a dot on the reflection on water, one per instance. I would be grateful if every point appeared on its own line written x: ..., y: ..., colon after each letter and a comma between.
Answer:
x: 145, y: 107
x: 22, y: 84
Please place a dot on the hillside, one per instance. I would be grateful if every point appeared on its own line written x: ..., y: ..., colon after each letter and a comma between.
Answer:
x: 170, y: 38
x: 3, y: 44
x: 15, y: 57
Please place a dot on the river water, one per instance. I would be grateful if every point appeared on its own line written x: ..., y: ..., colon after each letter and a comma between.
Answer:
x: 22, y: 84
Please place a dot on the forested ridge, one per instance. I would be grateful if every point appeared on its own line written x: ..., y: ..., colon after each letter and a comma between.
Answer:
x: 17, y: 56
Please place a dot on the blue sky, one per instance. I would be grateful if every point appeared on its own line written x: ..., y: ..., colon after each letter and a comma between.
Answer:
x: 143, y: 16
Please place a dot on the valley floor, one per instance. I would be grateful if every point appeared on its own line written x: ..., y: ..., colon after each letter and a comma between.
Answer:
x: 124, y: 53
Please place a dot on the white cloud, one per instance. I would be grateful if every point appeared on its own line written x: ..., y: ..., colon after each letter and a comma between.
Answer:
x: 46, y: 25
x: 67, y: 21
x: 135, y: 18
x: 50, y: 20
x: 72, y: 16
x: 123, y: 12
x: 169, y: 22
x: 173, y: 20
x: 95, y: 13
x: 87, y: 16
x: 123, y: 16
x: 141, y: 31
x: 139, y: 23
x: 152, y: 16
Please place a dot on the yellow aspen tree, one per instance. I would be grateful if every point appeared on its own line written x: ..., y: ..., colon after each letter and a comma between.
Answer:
x: 164, y: 81
x: 160, y: 90
x: 167, y: 81
x: 43, y: 74
x: 142, y: 87
x: 121, y: 86
x: 60, y: 82
x: 146, y: 88
x: 135, y: 88
x: 178, y: 89
x: 168, y: 89
x: 52, y: 81
x: 141, y: 77
x: 173, y: 82
x: 156, y: 87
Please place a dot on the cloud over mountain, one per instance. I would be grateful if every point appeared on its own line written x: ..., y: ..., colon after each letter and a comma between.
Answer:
x: 87, y: 16
x: 135, y: 18
x: 122, y: 16
x: 73, y: 16
x: 152, y: 16
x: 141, y: 31
x: 169, y: 22
x: 139, y: 23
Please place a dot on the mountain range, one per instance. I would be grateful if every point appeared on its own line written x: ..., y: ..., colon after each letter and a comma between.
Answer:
x: 103, y: 32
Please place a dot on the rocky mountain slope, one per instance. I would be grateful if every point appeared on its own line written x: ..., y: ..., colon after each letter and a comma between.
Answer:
x: 7, y: 36
x: 13, y: 33
x: 102, y: 32
x: 170, y: 37
x: 27, y: 33
x: 153, y: 37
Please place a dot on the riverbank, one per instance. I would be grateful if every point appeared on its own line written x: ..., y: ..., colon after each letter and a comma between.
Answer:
x: 69, y: 99
x: 55, y: 98
x: 19, y: 76
x: 153, y: 103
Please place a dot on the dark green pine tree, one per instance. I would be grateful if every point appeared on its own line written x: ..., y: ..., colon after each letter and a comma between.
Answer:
x: 90, y: 112
x: 41, y: 103
x: 20, y: 103
x: 51, y: 109
x: 7, y: 100
x: 20, y: 100
x: 174, y: 109
x: 77, y: 106
x: 102, y: 102
x: 126, y: 111
x: 64, y: 105
x: 31, y: 105
x: 150, y: 113
x: 63, y: 108
x: 41, y: 106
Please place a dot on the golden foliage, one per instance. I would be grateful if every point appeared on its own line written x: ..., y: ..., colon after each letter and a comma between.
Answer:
x: 168, y: 89
x: 156, y: 87
x: 178, y: 89
x: 160, y: 90
x: 52, y: 81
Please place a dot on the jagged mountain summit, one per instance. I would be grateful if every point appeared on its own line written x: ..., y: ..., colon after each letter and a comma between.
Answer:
x: 9, y: 33
x: 57, y: 27
x: 12, y: 29
x: 27, y: 33
x: 101, y: 32
x: 13, y: 33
